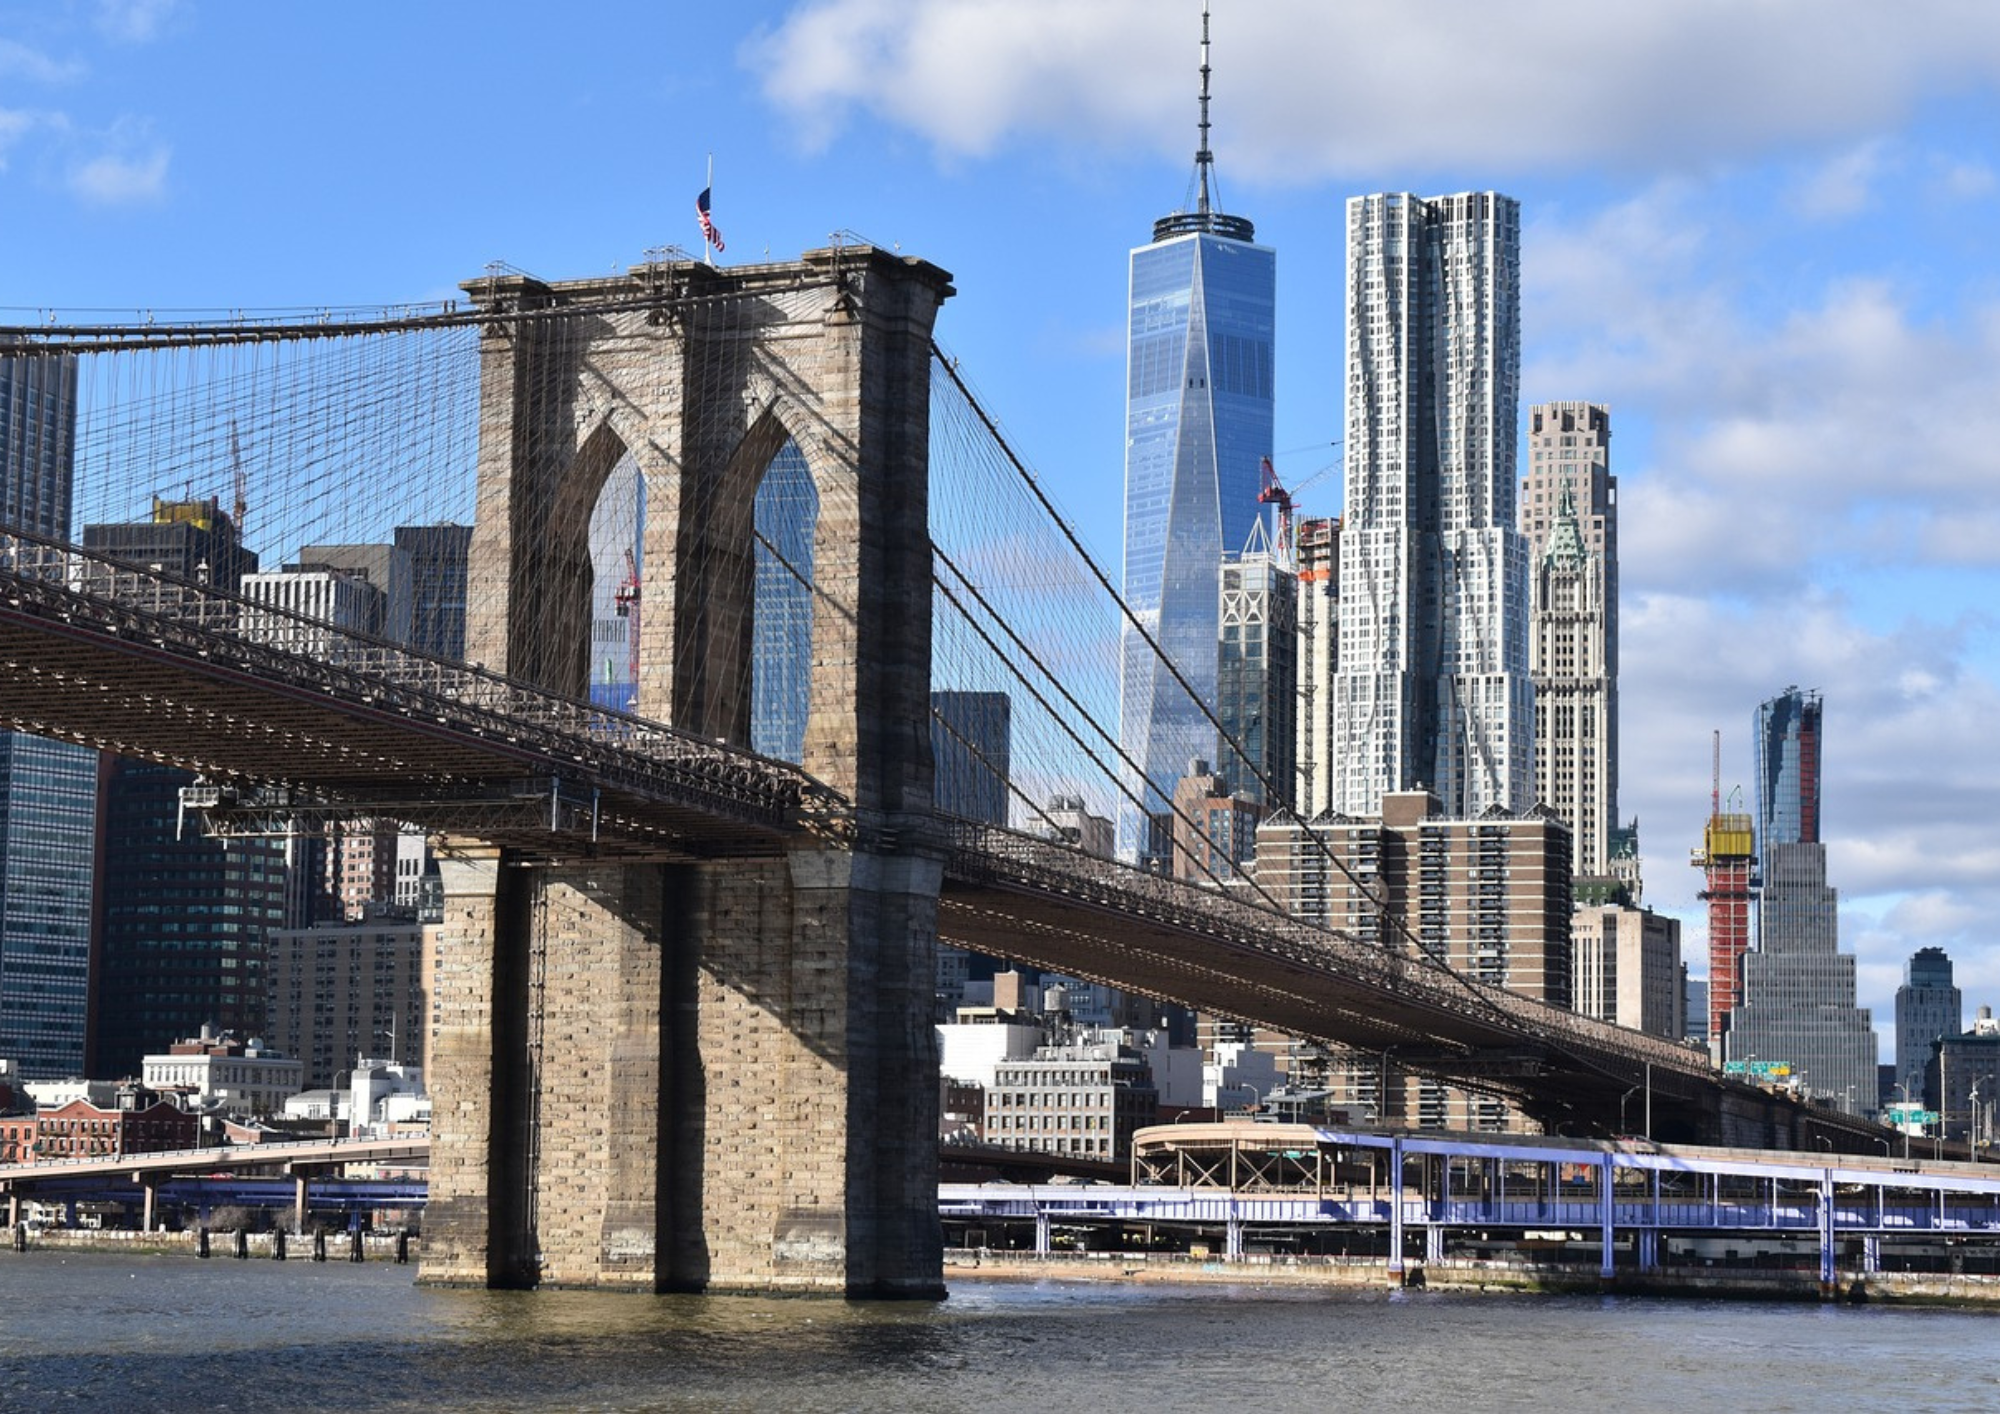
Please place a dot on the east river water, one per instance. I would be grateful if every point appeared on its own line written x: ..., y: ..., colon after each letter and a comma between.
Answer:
x: 98, y: 1331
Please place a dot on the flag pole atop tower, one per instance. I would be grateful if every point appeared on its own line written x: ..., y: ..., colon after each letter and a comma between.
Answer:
x: 711, y: 236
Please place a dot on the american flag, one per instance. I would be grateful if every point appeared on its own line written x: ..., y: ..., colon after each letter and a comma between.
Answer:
x: 709, y: 232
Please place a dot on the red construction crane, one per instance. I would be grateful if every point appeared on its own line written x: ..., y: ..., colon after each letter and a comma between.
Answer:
x: 1270, y: 493
x: 626, y: 602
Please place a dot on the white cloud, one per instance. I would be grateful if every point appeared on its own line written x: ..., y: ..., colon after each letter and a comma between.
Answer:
x: 1964, y: 179
x: 114, y: 180
x: 1909, y: 780
x: 133, y: 21
x: 1844, y: 434
x: 1843, y: 185
x: 18, y: 60
x: 1304, y: 90
x: 14, y: 125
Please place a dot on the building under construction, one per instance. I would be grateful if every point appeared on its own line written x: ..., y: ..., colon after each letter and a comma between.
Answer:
x: 1728, y: 860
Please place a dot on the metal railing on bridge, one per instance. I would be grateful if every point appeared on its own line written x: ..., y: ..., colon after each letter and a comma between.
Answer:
x: 69, y: 592
x: 1009, y: 859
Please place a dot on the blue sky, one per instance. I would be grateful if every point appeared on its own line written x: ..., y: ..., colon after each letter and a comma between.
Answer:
x: 1761, y: 232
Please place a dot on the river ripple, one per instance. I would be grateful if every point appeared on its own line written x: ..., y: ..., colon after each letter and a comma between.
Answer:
x: 91, y: 1331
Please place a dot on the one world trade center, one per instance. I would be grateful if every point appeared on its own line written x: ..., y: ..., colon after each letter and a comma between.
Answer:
x: 1201, y: 317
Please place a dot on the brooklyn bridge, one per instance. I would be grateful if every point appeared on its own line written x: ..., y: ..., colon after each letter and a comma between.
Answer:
x: 680, y: 1032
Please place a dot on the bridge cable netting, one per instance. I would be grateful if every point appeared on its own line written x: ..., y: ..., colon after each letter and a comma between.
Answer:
x: 312, y: 435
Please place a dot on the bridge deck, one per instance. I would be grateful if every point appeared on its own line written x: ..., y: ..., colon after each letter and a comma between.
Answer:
x: 1050, y: 905
x: 370, y: 728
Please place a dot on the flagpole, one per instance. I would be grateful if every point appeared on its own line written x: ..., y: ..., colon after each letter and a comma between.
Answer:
x: 707, y: 245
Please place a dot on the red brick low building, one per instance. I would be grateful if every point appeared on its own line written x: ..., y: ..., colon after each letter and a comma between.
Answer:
x: 80, y: 1129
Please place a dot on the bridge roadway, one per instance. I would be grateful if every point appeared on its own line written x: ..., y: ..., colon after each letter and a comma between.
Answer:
x: 1031, y: 899
x: 151, y: 666
x: 1240, y: 1177
x: 112, y: 656
x: 1237, y: 1176
x: 155, y: 1171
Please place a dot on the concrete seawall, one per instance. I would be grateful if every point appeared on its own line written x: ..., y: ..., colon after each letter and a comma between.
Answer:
x: 221, y: 1244
x: 1360, y: 1273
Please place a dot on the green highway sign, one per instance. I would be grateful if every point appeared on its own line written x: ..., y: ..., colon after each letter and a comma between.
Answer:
x: 1764, y: 1070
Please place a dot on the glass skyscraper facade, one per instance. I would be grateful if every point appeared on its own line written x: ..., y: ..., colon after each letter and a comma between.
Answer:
x: 440, y: 559
x: 1202, y: 315
x: 183, y: 922
x: 1786, y: 733
x: 787, y: 515
x: 971, y: 747
x: 1257, y: 680
x: 1928, y: 1006
x: 180, y: 919
x: 1798, y: 987
x: 48, y: 789
x: 617, y: 530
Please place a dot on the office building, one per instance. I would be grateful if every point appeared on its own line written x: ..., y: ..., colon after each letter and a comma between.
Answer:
x: 316, y: 613
x: 1695, y: 990
x: 1797, y: 1006
x: 179, y: 919
x: 1627, y: 968
x: 440, y: 557
x: 48, y: 789
x: 1317, y: 553
x: 1201, y: 321
x: 1928, y: 1006
x: 193, y: 540
x: 1962, y: 1081
x: 409, y: 592
x: 1214, y: 829
x: 617, y: 528
x: 342, y: 991
x: 971, y: 741
x: 243, y: 1077
x: 1432, y: 689
x: 1256, y: 674
x: 1083, y: 1099
x: 1488, y: 897
x: 1786, y: 737
x: 1068, y: 819
x: 1569, y: 518
x: 385, y: 568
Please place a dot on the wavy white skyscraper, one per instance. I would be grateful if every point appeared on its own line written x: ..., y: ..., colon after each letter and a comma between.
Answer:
x: 1202, y: 315
x: 1433, y: 689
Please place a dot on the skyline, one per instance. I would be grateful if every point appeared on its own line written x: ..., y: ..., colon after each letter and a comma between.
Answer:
x: 1755, y: 238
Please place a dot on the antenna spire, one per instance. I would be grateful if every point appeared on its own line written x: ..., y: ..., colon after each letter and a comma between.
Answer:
x: 1205, y: 218
x: 1203, y: 158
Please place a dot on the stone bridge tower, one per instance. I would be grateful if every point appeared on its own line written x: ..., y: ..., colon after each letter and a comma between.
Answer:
x: 690, y: 1073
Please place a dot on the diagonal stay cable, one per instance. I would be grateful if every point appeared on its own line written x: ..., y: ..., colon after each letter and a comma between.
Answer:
x: 1400, y: 924
x: 1022, y: 647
